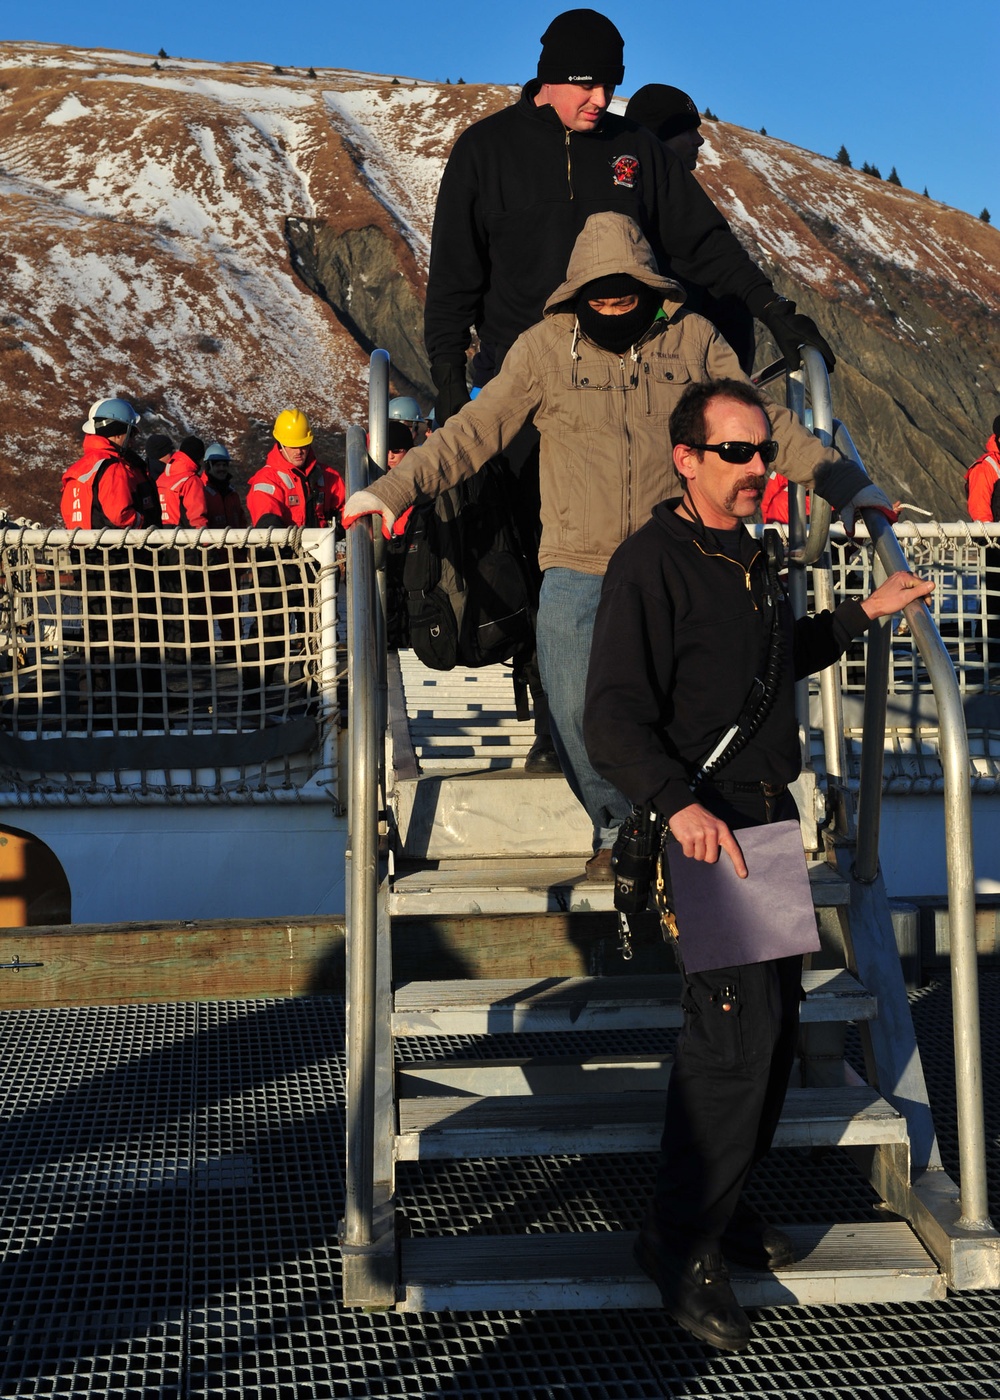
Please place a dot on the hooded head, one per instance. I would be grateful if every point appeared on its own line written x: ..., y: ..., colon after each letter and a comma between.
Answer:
x: 610, y: 246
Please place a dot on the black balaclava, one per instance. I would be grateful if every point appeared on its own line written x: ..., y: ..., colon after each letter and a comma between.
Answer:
x: 617, y: 333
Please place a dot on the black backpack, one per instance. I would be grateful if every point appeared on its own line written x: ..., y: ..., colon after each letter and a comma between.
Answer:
x: 470, y: 591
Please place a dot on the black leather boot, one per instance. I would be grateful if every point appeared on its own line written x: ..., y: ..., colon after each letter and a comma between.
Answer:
x: 752, y: 1242
x: 696, y: 1293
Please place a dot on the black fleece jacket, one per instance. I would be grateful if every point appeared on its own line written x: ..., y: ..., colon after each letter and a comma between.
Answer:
x: 677, y: 643
x: 516, y: 191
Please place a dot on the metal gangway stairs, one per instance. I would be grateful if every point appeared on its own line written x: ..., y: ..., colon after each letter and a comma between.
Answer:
x: 470, y: 1095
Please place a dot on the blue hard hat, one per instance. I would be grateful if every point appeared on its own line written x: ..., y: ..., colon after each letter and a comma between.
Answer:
x: 111, y: 413
x: 405, y: 409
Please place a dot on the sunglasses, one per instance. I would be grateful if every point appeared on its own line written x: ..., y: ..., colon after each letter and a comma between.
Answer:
x: 739, y: 454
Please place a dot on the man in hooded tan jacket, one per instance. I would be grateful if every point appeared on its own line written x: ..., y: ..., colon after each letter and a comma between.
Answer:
x: 599, y: 375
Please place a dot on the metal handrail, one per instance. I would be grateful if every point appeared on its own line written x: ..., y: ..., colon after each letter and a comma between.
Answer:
x: 362, y: 859
x: 955, y: 761
x: 956, y: 765
x: 821, y: 403
x: 366, y: 718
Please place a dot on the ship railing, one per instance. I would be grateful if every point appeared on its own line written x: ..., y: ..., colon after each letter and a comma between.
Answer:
x: 812, y: 546
x: 168, y: 665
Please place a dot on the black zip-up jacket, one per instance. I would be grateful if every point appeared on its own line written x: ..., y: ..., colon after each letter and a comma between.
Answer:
x: 516, y: 191
x: 677, y: 643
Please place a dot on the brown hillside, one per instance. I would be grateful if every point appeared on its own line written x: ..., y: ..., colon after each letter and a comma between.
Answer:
x: 221, y: 241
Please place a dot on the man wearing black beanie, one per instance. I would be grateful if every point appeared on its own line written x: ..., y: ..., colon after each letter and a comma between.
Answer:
x: 517, y: 190
x: 519, y: 186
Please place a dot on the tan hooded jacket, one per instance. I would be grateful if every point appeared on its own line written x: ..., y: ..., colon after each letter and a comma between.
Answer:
x: 605, y: 453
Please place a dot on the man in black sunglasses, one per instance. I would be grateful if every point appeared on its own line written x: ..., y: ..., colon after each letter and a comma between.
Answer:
x: 684, y: 622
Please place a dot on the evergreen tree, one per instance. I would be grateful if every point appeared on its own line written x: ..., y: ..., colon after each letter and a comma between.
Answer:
x: 843, y: 158
x: 277, y: 69
x: 763, y: 131
x: 893, y: 177
x: 163, y: 54
x: 312, y: 73
x: 395, y: 82
x: 156, y: 65
x: 926, y: 193
x: 709, y: 115
x: 867, y: 169
x: 985, y: 216
x: 461, y: 80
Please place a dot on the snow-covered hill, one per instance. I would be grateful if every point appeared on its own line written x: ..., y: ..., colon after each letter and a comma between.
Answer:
x: 221, y: 241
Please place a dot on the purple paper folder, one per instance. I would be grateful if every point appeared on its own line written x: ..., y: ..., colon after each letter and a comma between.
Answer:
x: 724, y: 921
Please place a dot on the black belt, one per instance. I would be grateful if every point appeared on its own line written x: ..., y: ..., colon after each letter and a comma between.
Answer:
x: 729, y: 785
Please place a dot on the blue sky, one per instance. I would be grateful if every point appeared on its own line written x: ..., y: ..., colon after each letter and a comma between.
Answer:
x: 915, y: 84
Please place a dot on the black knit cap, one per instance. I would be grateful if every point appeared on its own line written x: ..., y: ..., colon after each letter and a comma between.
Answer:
x: 996, y: 426
x: 581, y: 46
x: 664, y: 109
x: 194, y: 448
x: 398, y: 436
x: 159, y: 445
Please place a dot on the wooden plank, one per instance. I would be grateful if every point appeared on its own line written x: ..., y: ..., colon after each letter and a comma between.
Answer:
x: 862, y: 1263
x: 589, y: 1003
x: 526, y: 1125
x: 97, y: 965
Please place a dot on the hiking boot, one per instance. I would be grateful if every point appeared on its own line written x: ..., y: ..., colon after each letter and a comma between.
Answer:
x: 696, y: 1293
x: 542, y: 757
x: 752, y: 1242
x: 599, y: 867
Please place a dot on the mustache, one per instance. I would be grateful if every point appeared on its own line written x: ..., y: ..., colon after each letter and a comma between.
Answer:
x: 745, y: 483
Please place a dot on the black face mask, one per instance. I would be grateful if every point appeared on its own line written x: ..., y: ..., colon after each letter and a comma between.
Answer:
x: 618, y: 333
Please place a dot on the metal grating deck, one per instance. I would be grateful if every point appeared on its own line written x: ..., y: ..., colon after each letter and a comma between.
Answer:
x: 172, y: 1183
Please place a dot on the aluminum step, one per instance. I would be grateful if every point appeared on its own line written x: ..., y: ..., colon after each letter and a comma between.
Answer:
x: 541, y: 1125
x: 444, y: 815
x: 538, y: 885
x: 861, y: 1263
x: 492, y: 1006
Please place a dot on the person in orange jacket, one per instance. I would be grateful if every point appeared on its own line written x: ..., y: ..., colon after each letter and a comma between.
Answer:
x: 774, y: 503
x: 982, y: 480
x: 225, y: 509
x: 293, y: 487
x: 982, y: 491
x: 181, y: 488
x: 108, y: 484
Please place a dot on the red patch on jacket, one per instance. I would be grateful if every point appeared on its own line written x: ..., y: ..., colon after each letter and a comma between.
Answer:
x: 624, y: 169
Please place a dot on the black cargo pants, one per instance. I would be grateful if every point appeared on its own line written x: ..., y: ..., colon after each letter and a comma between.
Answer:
x: 731, y: 1067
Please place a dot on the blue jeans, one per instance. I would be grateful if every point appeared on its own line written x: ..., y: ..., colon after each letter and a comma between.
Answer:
x: 566, y: 611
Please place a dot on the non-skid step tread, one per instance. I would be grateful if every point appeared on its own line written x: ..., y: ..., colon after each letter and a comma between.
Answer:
x: 536, y: 884
x: 494, y: 1006
x: 454, y: 1127
x: 838, y: 1264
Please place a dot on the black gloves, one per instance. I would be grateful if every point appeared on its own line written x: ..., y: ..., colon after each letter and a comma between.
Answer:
x: 791, y: 330
x: 452, y: 389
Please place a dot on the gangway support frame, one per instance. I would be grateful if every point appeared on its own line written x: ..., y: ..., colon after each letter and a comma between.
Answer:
x: 922, y: 1192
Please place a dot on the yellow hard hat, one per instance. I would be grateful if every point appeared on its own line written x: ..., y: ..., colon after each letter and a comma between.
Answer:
x: 291, y: 428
